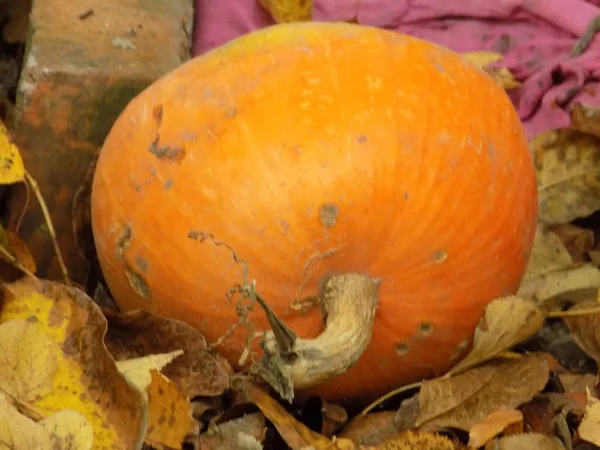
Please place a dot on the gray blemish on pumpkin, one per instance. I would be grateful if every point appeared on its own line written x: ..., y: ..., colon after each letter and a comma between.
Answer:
x: 135, y: 279
x: 406, y: 196
x: 439, y: 256
x: 425, y: 328
x: 402, y: 348
x: 141, y: 263
x: 361, y: 139
x: 231, y: 113
x: 328, y: 214
x: 168, y: 184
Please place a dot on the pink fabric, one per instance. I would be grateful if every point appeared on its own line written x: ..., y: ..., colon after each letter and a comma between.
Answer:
x: 535, y: 36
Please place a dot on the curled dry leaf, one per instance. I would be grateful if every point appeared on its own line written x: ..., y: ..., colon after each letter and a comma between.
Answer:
x: 67, y: 365
x: 245, y: 433
x: 585, y: 329
x: 371, y: 429
x: 506, y: 322
x: 529, y: 441
x: 467, y: 399
x: 136, y: 334
x: 138, y: 369
x: 296, y: 435
x: 577, y: 241
x: 494, y: 424
x: 169, y: 414
x: 568, y: 172
x: 589, y: 428
x: 501, y: 75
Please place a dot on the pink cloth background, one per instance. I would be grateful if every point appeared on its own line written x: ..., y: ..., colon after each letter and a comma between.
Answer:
x: 535, y: 37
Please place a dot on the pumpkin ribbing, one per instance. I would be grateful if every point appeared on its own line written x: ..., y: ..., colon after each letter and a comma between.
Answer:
x: 308, y: 150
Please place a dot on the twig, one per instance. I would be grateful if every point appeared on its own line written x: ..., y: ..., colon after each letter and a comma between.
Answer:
x: 588, y: 36
x: 17, y: 226
x: 15, y: 262
x: 574, y: 313
x: 389, y: 395
x: 38, y: 194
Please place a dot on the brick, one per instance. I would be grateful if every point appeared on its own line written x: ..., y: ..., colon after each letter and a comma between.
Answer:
x: 81, y: 69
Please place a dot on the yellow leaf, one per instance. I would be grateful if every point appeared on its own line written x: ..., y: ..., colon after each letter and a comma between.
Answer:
x: 170, y: 413
x: 11, y: 164
x: 568, y: 172
x: 482, y: 60
x: 70, y: 429
x: 492, y: 426
x: 69, y: 328
x: 288, y: 10
x: 416, y: 440
x: 138, y: 369
x: 18, y: 432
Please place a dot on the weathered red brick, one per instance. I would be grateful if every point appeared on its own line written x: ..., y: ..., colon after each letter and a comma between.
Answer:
x: 85, y: 61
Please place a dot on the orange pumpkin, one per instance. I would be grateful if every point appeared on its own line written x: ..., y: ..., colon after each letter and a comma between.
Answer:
x: 302, y: 152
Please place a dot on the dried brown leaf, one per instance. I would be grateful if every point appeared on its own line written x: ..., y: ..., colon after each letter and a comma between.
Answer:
x: 506, y: 322
x: 296, y: 435
x: 585, y: 329
x: 573, y: 382
x: 577, y: 241
x: 539, y: 415
x: 494, y: 424
x: 529, y: 441
x: 568, y: 172
x: 483, y: 59
x: 288, y: 10
x: 371, y: 429
x: 169, y: 414
x: 589, y: 428
x: 245, y: 433
x: 466, y: 399
x: 136, y: 334
x: 334, y: 418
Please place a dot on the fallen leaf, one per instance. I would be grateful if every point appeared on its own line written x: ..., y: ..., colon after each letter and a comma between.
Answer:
x: 18, y: 432
x: 586, y: 328
x: 466, y: 399
x: 288, y: 10
x: 296, y: 435
x: 483, y: 59
x: 548, y: 254
x: 494, y: 424
x: 539, y: 413
x: 70, y: 430
x: 506, y: 322
x: 334, y: 418
x: 69, y: 330
x: 15, y: 246
x: 138, y: 369
x: 589, y: 428
x: 169, y: 414
x: 136, y: 334
x: 573, y: 382
x: 529, y: 441
x: 12, y: 169
x: 244, y: 433
x: 577, y: 241
x: 568, y: 166
x: 420, y: 440
x: 585, y: 119
x: 571, y: 284
x: 371, y: 429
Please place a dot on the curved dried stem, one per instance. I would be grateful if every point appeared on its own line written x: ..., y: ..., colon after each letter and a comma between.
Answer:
x: 349, y: 303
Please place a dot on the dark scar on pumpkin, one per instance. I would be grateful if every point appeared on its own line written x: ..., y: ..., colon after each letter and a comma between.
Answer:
x: 159, y: 150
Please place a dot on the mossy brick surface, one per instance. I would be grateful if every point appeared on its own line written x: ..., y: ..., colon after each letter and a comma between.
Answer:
x: 80, y: 71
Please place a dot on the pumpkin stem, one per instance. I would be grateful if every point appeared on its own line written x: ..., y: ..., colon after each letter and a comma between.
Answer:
x: 349, y: 303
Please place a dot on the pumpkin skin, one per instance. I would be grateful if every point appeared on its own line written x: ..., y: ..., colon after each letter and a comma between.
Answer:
x: 313, y: 149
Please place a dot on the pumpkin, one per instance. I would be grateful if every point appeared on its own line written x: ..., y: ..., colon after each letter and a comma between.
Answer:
x: 373, y: 191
